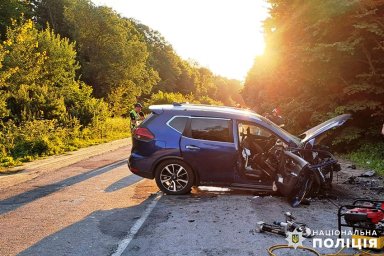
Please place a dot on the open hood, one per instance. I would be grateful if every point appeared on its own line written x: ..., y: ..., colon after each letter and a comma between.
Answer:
x: 323, y: 127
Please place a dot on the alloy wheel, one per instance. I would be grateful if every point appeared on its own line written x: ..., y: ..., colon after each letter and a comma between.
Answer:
x: 174, y: 177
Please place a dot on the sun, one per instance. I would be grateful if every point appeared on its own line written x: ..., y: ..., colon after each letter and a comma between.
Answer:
x: 223, y: 35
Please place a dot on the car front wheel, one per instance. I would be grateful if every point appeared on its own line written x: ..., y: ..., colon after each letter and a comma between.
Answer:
x: 174, y: 177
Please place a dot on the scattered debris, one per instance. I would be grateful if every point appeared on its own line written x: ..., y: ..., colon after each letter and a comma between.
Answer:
x: 191, y: 220
x: 282, y: 228
x: 353, y: 167
x: 379, y: 189
x: 368, y: 174
x: 352, y: 180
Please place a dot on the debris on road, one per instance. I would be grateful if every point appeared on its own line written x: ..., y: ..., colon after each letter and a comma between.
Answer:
x: 351, y: 180
x: 368, y: 174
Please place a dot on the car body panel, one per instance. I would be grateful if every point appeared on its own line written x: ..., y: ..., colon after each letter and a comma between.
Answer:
x: 324, y: 127
x: 213, y: 160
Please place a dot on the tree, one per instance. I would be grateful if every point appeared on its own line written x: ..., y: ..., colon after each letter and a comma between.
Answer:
x: 323, y: 58
x: 13, y: 9
x: 30, y: 97
x: 162, y: 58
x: 50, y: 13
x: 112, y: 53
x: 3, y: 92
x: 37, y: 78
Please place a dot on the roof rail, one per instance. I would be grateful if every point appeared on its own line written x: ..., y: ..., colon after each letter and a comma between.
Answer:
x: 176, y: 104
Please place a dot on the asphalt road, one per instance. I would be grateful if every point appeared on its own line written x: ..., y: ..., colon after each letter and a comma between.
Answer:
x: 97, y: 207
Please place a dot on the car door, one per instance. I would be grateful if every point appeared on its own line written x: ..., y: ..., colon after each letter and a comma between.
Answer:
x: 208, y: 146
x: 254, y: 143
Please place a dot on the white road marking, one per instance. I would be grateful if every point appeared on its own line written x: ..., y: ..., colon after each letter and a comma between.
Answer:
x: 136, y: 227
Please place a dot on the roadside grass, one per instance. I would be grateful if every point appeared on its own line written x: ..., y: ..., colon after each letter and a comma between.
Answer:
x: 369, y: 156
x: 44, y: 138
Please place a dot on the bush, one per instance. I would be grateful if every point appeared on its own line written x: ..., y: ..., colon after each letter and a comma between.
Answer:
x: 170, y: 97
x: 47, y: 137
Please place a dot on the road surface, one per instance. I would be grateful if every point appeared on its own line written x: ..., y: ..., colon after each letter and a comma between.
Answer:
x: 98, y: 207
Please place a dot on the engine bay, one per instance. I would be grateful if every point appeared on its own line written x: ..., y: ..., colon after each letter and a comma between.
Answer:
x: 265, y: 156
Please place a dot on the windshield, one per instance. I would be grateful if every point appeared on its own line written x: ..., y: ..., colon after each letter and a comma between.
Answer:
x: 295, y: 139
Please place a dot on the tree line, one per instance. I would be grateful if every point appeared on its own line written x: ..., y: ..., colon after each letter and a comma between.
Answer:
x: 323, y: 58
x: 67, y: 67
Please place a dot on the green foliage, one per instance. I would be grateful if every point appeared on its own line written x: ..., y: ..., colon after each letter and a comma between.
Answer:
x: 44, y: 109
x: 369, y: 156
x: 35, y: 64
x: 120, y: 100
x: 323, y: 58
x: 47, y: 137
x: 13, y: 10
x: 168, y: 98
x: 51, y: 14
x: 112, y: 53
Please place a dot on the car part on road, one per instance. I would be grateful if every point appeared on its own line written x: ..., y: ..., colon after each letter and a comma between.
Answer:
x: 364, y: 216
x: 368, y: 174
x: 282, y: 228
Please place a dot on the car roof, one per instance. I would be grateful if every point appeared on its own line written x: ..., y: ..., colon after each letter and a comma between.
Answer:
x: 178, y: 109
x: 207, y: 110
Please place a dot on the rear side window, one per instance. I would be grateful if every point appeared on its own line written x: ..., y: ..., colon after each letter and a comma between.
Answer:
x: 211, y: 129
x: 178, y: 123
x: 148, y: 119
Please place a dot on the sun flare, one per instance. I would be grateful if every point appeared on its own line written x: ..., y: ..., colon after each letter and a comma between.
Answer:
x: 223, y: 35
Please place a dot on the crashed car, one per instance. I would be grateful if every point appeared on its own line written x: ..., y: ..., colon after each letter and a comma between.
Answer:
x: 185, y: 145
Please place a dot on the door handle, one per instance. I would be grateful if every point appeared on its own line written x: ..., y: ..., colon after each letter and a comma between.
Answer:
x: 191, y: 147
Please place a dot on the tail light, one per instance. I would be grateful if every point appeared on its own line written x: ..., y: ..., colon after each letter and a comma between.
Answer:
x: 143, y: 133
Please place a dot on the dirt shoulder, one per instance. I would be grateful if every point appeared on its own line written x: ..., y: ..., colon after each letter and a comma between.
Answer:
x: 355, y: 182
x: 32, y: 170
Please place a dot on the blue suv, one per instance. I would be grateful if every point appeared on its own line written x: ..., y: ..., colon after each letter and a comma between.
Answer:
x: 185, y: 145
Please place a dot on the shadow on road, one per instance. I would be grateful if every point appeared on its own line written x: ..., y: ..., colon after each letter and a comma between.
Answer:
x: 17, y: 201
x: 124, y: 182
x: 97, y: 234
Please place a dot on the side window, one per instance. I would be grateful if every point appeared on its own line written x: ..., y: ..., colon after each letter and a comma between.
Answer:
x: 178, y: 123
x: 211, y: 129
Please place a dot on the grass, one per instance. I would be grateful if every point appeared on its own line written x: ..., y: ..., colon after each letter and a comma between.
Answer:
x: 369, y: 156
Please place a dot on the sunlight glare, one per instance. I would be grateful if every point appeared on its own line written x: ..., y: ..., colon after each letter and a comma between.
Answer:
x: 223, y: 35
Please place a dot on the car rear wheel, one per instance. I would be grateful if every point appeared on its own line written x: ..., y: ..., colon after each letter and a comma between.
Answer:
x: 174, y: 177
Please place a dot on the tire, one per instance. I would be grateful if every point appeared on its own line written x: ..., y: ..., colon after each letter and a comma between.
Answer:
x: 174, y: 177
x: 304, y: 187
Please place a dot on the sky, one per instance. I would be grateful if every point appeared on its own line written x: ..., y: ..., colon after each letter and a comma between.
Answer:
x: 222, y: 35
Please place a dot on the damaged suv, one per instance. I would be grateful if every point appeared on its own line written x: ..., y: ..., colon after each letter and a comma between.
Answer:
x: 185, y: 145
